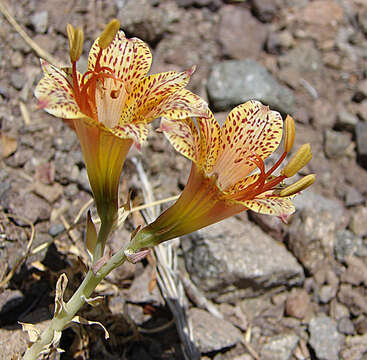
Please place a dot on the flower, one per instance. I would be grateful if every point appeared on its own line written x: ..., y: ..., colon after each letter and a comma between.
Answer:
x: 228, y: 173
x: 112, y: 103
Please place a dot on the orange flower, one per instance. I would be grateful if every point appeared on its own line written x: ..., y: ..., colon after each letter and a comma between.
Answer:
x: 228, y: 173
x: 111, y: 105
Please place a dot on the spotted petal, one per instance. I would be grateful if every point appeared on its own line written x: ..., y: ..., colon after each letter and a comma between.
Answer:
x: 249, y: 128
x: 271, y: 206
x: 183, y: 135
x: 130, y: 59
x: 55, y: 93
x: 138, y: 132
x: 143, y: 102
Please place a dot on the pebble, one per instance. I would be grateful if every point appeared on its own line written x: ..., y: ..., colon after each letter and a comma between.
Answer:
x: 298, y: 304
x: 325, y: 339
x: 17, y: 80
x: 211, y: 333
x: 346, y: 120
x: 346, y: 326
x: 361, y: 137
x: 39, y: 21
x: 279, y: 347
x: 337, y: 144
x: 348, y: 244
x: 358, y: 223
x: 233, y: 82
x: 56, y: 229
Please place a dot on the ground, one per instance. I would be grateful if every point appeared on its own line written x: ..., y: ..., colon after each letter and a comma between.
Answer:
x: 309, y: 301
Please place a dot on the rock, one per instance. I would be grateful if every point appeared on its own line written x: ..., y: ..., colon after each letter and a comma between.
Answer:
x: 362, y: 88
x: 353, y: 197
x: 224, y: 259
x: 354, y: 298
x: 49, y: 192
x: 323, y: 114
x: 143, y: 20
x: 17, y: 80
x: 358, y: 224
x: 39, y: 21
x: 338, y: 311
x: 10, y: 300
x: 348, y: 244
x: 346, y: 326
x: 298, y: 304
x: 212, y: 333
x: 31, y: 206
x: 346, y: 120
x: 56, y: 229
x: 361, y: 137
x: 264, y: 10
x: 313, y: 229
x: 337, y: 144
x: 234, y: 82
x: 325, y: 339
x: 278, y: 42
x: 326, y: 293
x: 322, y: 12
x: 279, y: 347
x: 139, y: 290
x: 13, y: 343
x: 356, y: 272
x: 238, y: 23
x: 355, y: 348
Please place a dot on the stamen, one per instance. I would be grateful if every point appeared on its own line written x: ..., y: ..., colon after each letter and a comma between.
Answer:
x: 298, y: 186
x: 109, y: 34
x: 289, y: 135
x: 298, y: 161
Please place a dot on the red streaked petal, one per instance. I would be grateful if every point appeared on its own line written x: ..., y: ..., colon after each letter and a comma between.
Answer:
x: 138, y: 132
x: 183, y: 136
x: 130, y: 59
x: 55, y: 93
x: 271, y: 206
x: 143, y: 102
x: 249, y: 128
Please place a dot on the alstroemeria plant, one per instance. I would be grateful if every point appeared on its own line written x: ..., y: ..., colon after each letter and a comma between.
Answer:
x: 111, y: 105
x: 228, y: 173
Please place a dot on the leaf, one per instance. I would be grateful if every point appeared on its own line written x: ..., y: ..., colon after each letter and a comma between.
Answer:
x: 59, y: 297
x: 91, y: 235
x: 32, y: 331
x: 83, y: 321
x: 94, y: 301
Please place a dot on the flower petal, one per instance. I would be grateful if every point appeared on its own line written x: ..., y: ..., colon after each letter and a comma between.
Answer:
x: 242, y: 184
x: 183, y: 135
x: 249, y: 128
x: 130, y: 59
x: 143, y: 103
x: 271, y: 206
x: 55, y: 93
x: 138, y: 132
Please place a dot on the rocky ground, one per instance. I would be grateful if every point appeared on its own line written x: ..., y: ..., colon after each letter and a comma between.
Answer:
x: 295, y: 291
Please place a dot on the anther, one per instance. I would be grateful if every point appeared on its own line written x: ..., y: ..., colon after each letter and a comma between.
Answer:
x: 109, y: 34
x: 76, y: 40
x: 298, y: 186
x: 298, y: 161
x: 290, y: 130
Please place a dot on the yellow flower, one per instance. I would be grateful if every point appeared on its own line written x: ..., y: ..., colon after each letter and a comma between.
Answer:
x: 112, y: 103
x: 228, y: 173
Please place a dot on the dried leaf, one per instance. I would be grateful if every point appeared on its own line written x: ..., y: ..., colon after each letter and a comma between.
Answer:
x: 83, y: 321
x: 32, y: 331
x: 95, y: 301
x: 8, y: 145
x: 59, y: 297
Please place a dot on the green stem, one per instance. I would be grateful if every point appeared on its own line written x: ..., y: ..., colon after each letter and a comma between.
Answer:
x: 84, y: 291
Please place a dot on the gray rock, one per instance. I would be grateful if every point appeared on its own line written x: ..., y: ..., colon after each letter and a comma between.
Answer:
x: 56, y: 229
x: 139, y: 290
x: 279, y: 347
x: 264, y: 10
x: 358, y: 224
x: 313, y: 228
x: 143, y: 20
x: 237, y: 259
x: 278, y: 42
x: 346, y: 120
x: 337, y: 144
x: 346, y: 326
x: 361, y: 137
x: 234, y: 82
x: 325, y: 339
x: 353, y: 197
x: 235, y: 22
x: 17, y: 80
x: 39, y: 21
x: 348, y: 244
x: 212, y: 333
